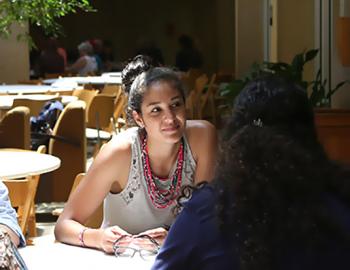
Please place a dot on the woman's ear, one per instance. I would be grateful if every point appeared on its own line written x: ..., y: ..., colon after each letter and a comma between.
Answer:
x: 138, y: 119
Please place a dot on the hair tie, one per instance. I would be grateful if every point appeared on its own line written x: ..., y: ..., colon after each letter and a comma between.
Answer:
x: 258, y: 122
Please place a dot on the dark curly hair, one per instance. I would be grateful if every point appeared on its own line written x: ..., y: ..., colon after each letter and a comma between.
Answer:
x: 139, y: 74
x: 273, y: 176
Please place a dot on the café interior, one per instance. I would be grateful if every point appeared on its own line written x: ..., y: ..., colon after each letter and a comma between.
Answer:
x: 42, y: 170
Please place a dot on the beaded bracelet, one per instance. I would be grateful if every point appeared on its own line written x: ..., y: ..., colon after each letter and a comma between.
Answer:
x: 81, y: 236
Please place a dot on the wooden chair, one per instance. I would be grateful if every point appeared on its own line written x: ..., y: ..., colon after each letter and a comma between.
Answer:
x: 189, y: 79
x: 119, y: 115
x: 193, y: 104
x: 100, y: 121
x: 35, y: 106
x: 22, y: 194
x: 100, y: 112
x: 68, y: 143
x: 86, y: 96
x: 96, y: 218
x: 112, y: 89
x: 207, y: 108
x: 15, y: 129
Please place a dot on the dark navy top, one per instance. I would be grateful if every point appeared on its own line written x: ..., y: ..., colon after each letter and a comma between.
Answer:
x: 195, y: 242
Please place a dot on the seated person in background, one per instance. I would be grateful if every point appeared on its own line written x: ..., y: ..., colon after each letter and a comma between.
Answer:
x: 8, y: 218
x: 86, y: 64
x: 139, y: 173
x: 277, y: 201
x: 50, y: 61
x: 188, y: 56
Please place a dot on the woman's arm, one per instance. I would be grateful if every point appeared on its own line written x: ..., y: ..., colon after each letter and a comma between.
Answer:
x: 78, y: 65
x: 8, y: 219
x: 202, y: 138
x: 110, y: 169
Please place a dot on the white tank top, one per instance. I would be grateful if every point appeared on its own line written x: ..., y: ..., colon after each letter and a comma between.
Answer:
x: 132, y: 209
x: 91, y: 65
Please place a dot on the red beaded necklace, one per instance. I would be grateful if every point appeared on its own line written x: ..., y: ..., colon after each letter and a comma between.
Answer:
x: 162, y: 191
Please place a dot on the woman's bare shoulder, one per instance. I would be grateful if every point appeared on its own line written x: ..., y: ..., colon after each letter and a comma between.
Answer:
x: 117, y: 150
x: 196, y: 128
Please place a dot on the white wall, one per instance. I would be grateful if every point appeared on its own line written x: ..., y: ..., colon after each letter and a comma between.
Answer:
x: 249, y: 35
x: 14, y: 58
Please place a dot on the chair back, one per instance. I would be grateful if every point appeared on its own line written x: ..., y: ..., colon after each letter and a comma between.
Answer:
x: 119, y: 115
x: 112, y: 89
x: 15, y: 129
x: 100, y: 112
x: 85, y: 95
x: 35, y: 106
x: 95, y: 220
x: 68, y: 143
x: 206, y: 102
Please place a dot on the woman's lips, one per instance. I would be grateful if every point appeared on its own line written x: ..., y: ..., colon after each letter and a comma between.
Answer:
x: 170, y: 129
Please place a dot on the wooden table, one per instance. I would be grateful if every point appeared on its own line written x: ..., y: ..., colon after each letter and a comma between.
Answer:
x: 19, y: 163
x: 45, y: 254
x: 96, y: 80
x: 6, y: 101
x: 14, y: 89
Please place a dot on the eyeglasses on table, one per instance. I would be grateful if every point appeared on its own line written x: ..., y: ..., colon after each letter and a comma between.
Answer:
x: 146, y: 253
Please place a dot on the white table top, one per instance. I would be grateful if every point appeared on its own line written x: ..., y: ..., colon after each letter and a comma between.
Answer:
x: 92, y: 133
x: 46, y: 254
x: 6, y: 101
x: 33, y: 89
x: 84, y: 80
x: 17, y: 164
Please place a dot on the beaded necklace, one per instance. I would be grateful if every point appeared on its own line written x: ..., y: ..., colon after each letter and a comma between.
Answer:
x: 162, y: 191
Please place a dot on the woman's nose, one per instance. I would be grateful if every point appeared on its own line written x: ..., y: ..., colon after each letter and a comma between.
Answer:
x: 169, y: 115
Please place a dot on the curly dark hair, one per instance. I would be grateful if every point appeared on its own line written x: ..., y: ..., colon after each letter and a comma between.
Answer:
x: 138, y: 75
x: 273, y: 177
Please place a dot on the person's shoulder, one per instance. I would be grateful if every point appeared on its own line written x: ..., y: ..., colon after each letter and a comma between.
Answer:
x: 201, y: 136
x: 202, y: 201
x: 199, y: 128
x: 119, y: 147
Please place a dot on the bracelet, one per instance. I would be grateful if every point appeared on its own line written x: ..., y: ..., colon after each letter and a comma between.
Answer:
x: 81, y: 236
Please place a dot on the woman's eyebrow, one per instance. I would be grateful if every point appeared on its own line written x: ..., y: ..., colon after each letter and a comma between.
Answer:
x: 158, y: 102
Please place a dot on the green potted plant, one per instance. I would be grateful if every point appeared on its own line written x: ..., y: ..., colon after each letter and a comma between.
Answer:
x: 333, y: 125
x: 319, y: 96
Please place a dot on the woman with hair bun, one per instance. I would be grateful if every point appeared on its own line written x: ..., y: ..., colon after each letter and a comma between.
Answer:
x: 139, y: 173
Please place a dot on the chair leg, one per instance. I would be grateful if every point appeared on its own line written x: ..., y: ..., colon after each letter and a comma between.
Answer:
x: 32, y: 222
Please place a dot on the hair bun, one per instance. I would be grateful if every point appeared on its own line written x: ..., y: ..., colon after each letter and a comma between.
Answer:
x: 135, y: 67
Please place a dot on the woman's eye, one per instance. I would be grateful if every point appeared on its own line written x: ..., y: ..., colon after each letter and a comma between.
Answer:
x: 155, y: 110
x: 176, y: 104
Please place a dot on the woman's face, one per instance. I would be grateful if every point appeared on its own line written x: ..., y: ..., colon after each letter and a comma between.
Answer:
x: 162, y: 113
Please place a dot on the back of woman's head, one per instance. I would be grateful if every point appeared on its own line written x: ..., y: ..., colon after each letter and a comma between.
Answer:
x: 276, y: 102
x: 273, y: 176
x: 272, y: 196
x: 139, y: 75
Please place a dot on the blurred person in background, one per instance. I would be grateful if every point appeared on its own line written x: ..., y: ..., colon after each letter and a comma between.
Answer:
x: 86, y: 63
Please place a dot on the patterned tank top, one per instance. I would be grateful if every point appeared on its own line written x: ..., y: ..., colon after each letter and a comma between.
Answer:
x: 132, y: 208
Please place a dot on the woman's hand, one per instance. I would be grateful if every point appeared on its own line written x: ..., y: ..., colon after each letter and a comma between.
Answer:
x: 109, y: 235
x: 158, y: 234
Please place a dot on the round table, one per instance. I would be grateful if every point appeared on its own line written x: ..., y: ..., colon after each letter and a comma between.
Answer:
x: 20, y: 163
x: 32, y: 89
x: 101, y: 80
x: 6, y: 101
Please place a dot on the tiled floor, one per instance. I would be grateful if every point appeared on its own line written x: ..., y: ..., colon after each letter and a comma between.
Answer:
x: 45, y: 228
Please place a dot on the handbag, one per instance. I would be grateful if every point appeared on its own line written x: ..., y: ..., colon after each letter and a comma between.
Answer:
x: 10, y: 259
